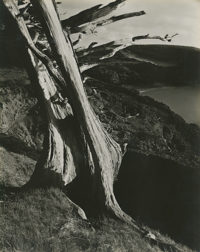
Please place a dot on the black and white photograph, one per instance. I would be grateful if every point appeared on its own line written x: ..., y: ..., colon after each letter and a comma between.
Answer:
x: 100, y: 125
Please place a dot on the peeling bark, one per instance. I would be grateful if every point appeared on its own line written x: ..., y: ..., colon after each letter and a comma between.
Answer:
x: 105, y: 152
x: 64, y: 135
x: 63, y: 154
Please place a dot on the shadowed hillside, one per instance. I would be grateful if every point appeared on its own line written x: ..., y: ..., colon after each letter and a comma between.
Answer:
x: 144, y: 66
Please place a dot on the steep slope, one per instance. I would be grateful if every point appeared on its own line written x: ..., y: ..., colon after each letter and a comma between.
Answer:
x: 159, y: 176
x: 42, y: 220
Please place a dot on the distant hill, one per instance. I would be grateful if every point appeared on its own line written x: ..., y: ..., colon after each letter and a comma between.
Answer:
x: 138, y: 65
x: 150, y: 66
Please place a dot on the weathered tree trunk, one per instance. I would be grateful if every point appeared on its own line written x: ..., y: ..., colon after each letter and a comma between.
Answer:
x: 105, y: 152
x: 64, y: 142
x: 65, y: 153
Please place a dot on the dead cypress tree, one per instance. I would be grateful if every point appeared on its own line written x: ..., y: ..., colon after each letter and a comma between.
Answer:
x: 76, y: 140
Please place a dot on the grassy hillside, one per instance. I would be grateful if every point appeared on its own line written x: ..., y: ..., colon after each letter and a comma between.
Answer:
x: 42, y: 220
x: 161, y: 168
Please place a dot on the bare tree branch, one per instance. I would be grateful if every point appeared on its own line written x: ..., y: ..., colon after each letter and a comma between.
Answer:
x: 166, y: 38
x: 120, y: 17
x: 92, y: 45
x: 91, y: 14
x: 41, y: 56
x: 91, y: 27
x: 78, y: 40
x: 48, y: 64
x: 93, y: 56
x: 86, y: 67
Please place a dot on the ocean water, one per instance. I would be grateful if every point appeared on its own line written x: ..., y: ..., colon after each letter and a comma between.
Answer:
x: 184, y: 101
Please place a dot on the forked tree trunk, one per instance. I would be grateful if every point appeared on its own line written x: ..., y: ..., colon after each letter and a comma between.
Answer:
x: 105, y: 152
x: 65, y: 152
